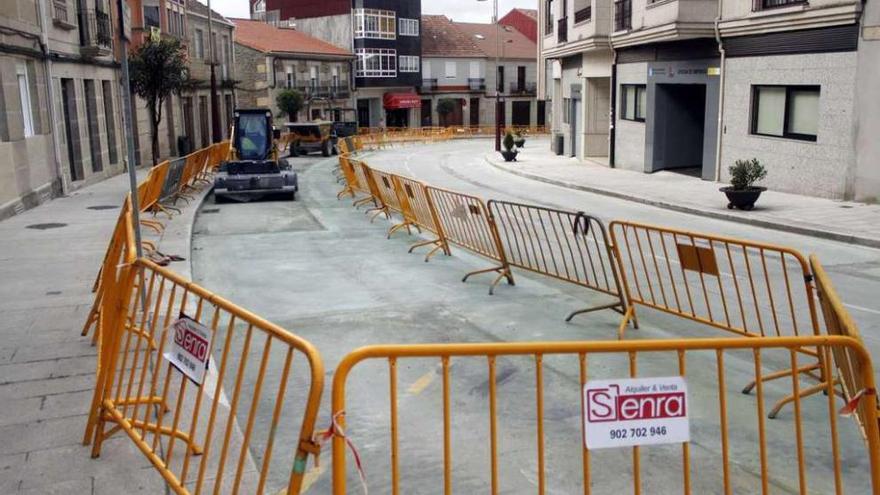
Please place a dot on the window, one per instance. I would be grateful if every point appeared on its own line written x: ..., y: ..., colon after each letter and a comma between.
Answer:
x: 786, y: 111
x: 290, y: 78
x: 566, y: 110
x: 374, y: 23
x: 199, y: 44
x: 450, y: 70
x: 24, y: 91
x: 409, y: 63
x: 260, y: 6
x: 151, y: 16
x: 409, y: 27
x: 376, y: 62
x: 633, y: 100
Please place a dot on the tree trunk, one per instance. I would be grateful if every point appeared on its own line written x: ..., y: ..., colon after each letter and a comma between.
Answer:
x: 154, y: 134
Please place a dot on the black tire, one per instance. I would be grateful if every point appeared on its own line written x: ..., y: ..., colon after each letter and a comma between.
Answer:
x: 219, y: 200
x: 325, y: 148
x: 294, y: 150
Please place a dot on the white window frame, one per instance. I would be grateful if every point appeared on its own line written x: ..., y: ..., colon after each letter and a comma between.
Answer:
x: 24, y: 92
x: 409, y: 27
x: 376, y: 62
x: 408, y: 63
x: 199, y: 43
x: 375, y: 24
x: 291, y: 79
x: 450, y: 70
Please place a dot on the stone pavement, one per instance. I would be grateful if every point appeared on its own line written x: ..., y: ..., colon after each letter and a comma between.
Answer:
x: 851, y: 222
x: 49, y: 257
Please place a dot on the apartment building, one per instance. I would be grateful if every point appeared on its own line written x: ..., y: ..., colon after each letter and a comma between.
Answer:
x: 328, y: 20
x: 271, y: 59
x: 696, y: 85
x: 195, y: 106
x: 59, y: 98
x: 459, y: 67
x: 524, y: 21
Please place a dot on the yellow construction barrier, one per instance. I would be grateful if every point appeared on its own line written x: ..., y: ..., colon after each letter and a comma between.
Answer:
x: 418, y: 210
x: 390, y: 201
x: 750, y: 288
x: 365, y: 185
x: 190, y: 403
x: 565, y: 245
x: 482, y: 443
x: 466, y: 221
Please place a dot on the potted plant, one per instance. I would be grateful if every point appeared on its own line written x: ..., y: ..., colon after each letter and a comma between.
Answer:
x: 742, y: 191
x: 519, y: 139
x: 509, y: 152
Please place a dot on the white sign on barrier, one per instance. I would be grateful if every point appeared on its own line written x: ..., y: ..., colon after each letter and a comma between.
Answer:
x: 635, y: 411
x: 190, y: 348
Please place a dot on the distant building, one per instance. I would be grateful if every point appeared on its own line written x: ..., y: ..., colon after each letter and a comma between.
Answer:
x: 328, y: 20
x: 271, y: 59
x: 524, y: 21
x: 458, y: 66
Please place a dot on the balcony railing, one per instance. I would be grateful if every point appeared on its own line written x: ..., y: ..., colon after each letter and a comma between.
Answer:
x: 60, y: 12
x: 773, y: 4
x: 548, y: 26
x: 583, y: 15
x: 523, y: 88
x: 312, y: 91
x: 477, y: 84
x: 429, y: 85
x: 95, y: 33
x: 622, y: 15
x: 562, y: 30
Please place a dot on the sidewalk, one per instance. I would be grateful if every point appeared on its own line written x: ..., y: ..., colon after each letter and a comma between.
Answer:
x: 49, y: 257
x: 850, y: 222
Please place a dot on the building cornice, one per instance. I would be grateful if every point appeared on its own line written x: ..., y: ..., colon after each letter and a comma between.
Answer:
x: 575, y: 47
x: 668, y: 32
x: 793, y: 18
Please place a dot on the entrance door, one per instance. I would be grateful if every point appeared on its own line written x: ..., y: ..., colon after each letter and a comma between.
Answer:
x: 542, y: 113
x: 521, y: 113
x: 426, y: 113
x: 521, y: 78
x: 501, y: 113
x: 454, y: 117
x: 203, y: 118
x: 680, y: 114
x: 71, y: 129
x: 475, y: 112
x: 597, y: 119
x: 398, y: 117
x: 363, y: 113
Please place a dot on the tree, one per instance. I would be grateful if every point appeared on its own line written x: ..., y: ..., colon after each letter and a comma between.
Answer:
x: 290, y: 102
x: 157, y: 69
x: 445, y: 106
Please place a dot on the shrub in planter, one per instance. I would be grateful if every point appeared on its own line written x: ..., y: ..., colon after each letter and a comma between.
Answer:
x: 519, y: 140
x: 742, y: 193
x: 509, y: 153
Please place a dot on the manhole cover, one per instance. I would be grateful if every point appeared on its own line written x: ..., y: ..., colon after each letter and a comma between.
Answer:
x: 846, y: 206
x: 54, y: 293
x: 102, y: 207
x: 46, y: 226
x: 211, y: 210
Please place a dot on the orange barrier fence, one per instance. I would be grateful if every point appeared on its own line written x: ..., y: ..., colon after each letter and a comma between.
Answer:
x: 465, y: 221
x: 508, y: 448
x: 749, y: 288
x: 364, y: 182
x: 389, y: 200
x: 419, y: 210
x: 204, y: 423
x: 565, y: 245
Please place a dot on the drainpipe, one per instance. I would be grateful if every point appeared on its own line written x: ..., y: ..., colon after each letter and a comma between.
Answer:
x: 612, y: 113
x: 50, y: 88
x: 720, y: 130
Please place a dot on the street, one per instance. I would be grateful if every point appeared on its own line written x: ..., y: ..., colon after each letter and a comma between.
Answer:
x: 320, y: 269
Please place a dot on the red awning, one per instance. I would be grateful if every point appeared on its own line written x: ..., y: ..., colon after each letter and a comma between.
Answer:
x: 393, y: 101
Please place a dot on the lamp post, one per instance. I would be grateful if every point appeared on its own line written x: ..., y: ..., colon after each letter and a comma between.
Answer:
x: 215, y: 110
x: 498, y: 101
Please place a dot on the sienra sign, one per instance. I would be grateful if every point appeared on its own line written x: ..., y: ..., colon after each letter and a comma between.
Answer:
x: 190, y: 348
x: 635, y: 411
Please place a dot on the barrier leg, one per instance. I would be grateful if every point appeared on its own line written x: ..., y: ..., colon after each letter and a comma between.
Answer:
x: 779, y: 374
x: 378, y: 211
x: 360, y: 202
x: 590, y: 310
x: 822, y: 387
x: 399, y: 226
x: 503, y: 272
x: 629, y: 315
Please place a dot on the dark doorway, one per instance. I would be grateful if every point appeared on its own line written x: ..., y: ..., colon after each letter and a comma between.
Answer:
x: 398, y: 117
x: 521, y: 113
x: 521, y: 78
x: 542, y: 113
x: 501, y: 114
x: 71, y: 129
x: 680, y: 115
x: 454, y: 117
x: 203, y: 120
x: 92, y: 123
x: 475, y: 112
x: 500, y: 79
x: 426, y: 113
x: 363, y: 112
x: 188, y: 128
x: 109, y: 121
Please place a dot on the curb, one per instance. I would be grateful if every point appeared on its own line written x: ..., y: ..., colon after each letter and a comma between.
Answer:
x: 786, y: 227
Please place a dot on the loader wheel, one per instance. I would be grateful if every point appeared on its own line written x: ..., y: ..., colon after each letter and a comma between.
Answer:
x: 325, y: 148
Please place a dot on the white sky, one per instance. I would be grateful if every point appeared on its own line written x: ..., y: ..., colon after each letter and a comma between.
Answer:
x: 459, y: 10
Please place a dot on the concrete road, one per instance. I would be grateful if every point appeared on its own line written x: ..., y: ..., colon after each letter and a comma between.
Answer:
x: 318, y: 268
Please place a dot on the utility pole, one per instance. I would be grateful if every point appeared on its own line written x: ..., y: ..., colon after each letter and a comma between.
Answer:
x: 498, y: 88
x: 215, y: 111
x: 124, y: 34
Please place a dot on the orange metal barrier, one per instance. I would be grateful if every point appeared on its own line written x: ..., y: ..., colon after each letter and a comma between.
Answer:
x: 565, y: 245
x: 466, y: 221
x: 149, y: 192
x: 365, y: 185
x: 749, y: 288
x: 849, y: 365
x: 418, y: 210
x: 389, y: 201
x: 352, y: 186
x: 735, y: 451
x: 195, y: 435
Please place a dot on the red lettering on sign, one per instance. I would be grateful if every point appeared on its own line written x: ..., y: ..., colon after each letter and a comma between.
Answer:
x: 190, y: 341
x: 606, y: 404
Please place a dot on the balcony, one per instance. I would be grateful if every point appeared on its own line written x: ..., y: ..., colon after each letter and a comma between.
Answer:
x: 758, y: 5
x: 95, y: 37
x: 429, y: 85
x: 477, y: 84
x: 562, y: 30
x: 523, y: 88
x: 622, y: 15
x: 315, y: 91
x: 583, y: 15
x: 61, y: 15
x: 548, y: 26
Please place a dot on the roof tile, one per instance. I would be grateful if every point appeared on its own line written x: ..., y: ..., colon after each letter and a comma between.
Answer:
x: 266, y: 38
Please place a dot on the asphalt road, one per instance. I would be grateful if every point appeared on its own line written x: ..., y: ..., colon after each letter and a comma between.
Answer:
x: 319, y: 268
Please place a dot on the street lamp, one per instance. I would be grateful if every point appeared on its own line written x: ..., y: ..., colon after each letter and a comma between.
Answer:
x: 498, y: 102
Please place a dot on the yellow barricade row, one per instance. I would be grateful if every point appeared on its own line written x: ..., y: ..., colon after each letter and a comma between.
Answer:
x: 420, y: 211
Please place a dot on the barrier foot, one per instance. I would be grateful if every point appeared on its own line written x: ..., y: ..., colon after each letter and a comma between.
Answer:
x: 629, y: 315
x: 815, y: 389
x: 113, y: 415
x: 399, y: 226
x: 589, y: 310
x: 780, y: 374
x: 503, y: 271
x: 363, y: 201
x: 376, y: 212
x: 345, y: 192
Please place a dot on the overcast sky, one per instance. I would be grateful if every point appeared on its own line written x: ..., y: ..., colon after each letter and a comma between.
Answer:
x: 459, y: 10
